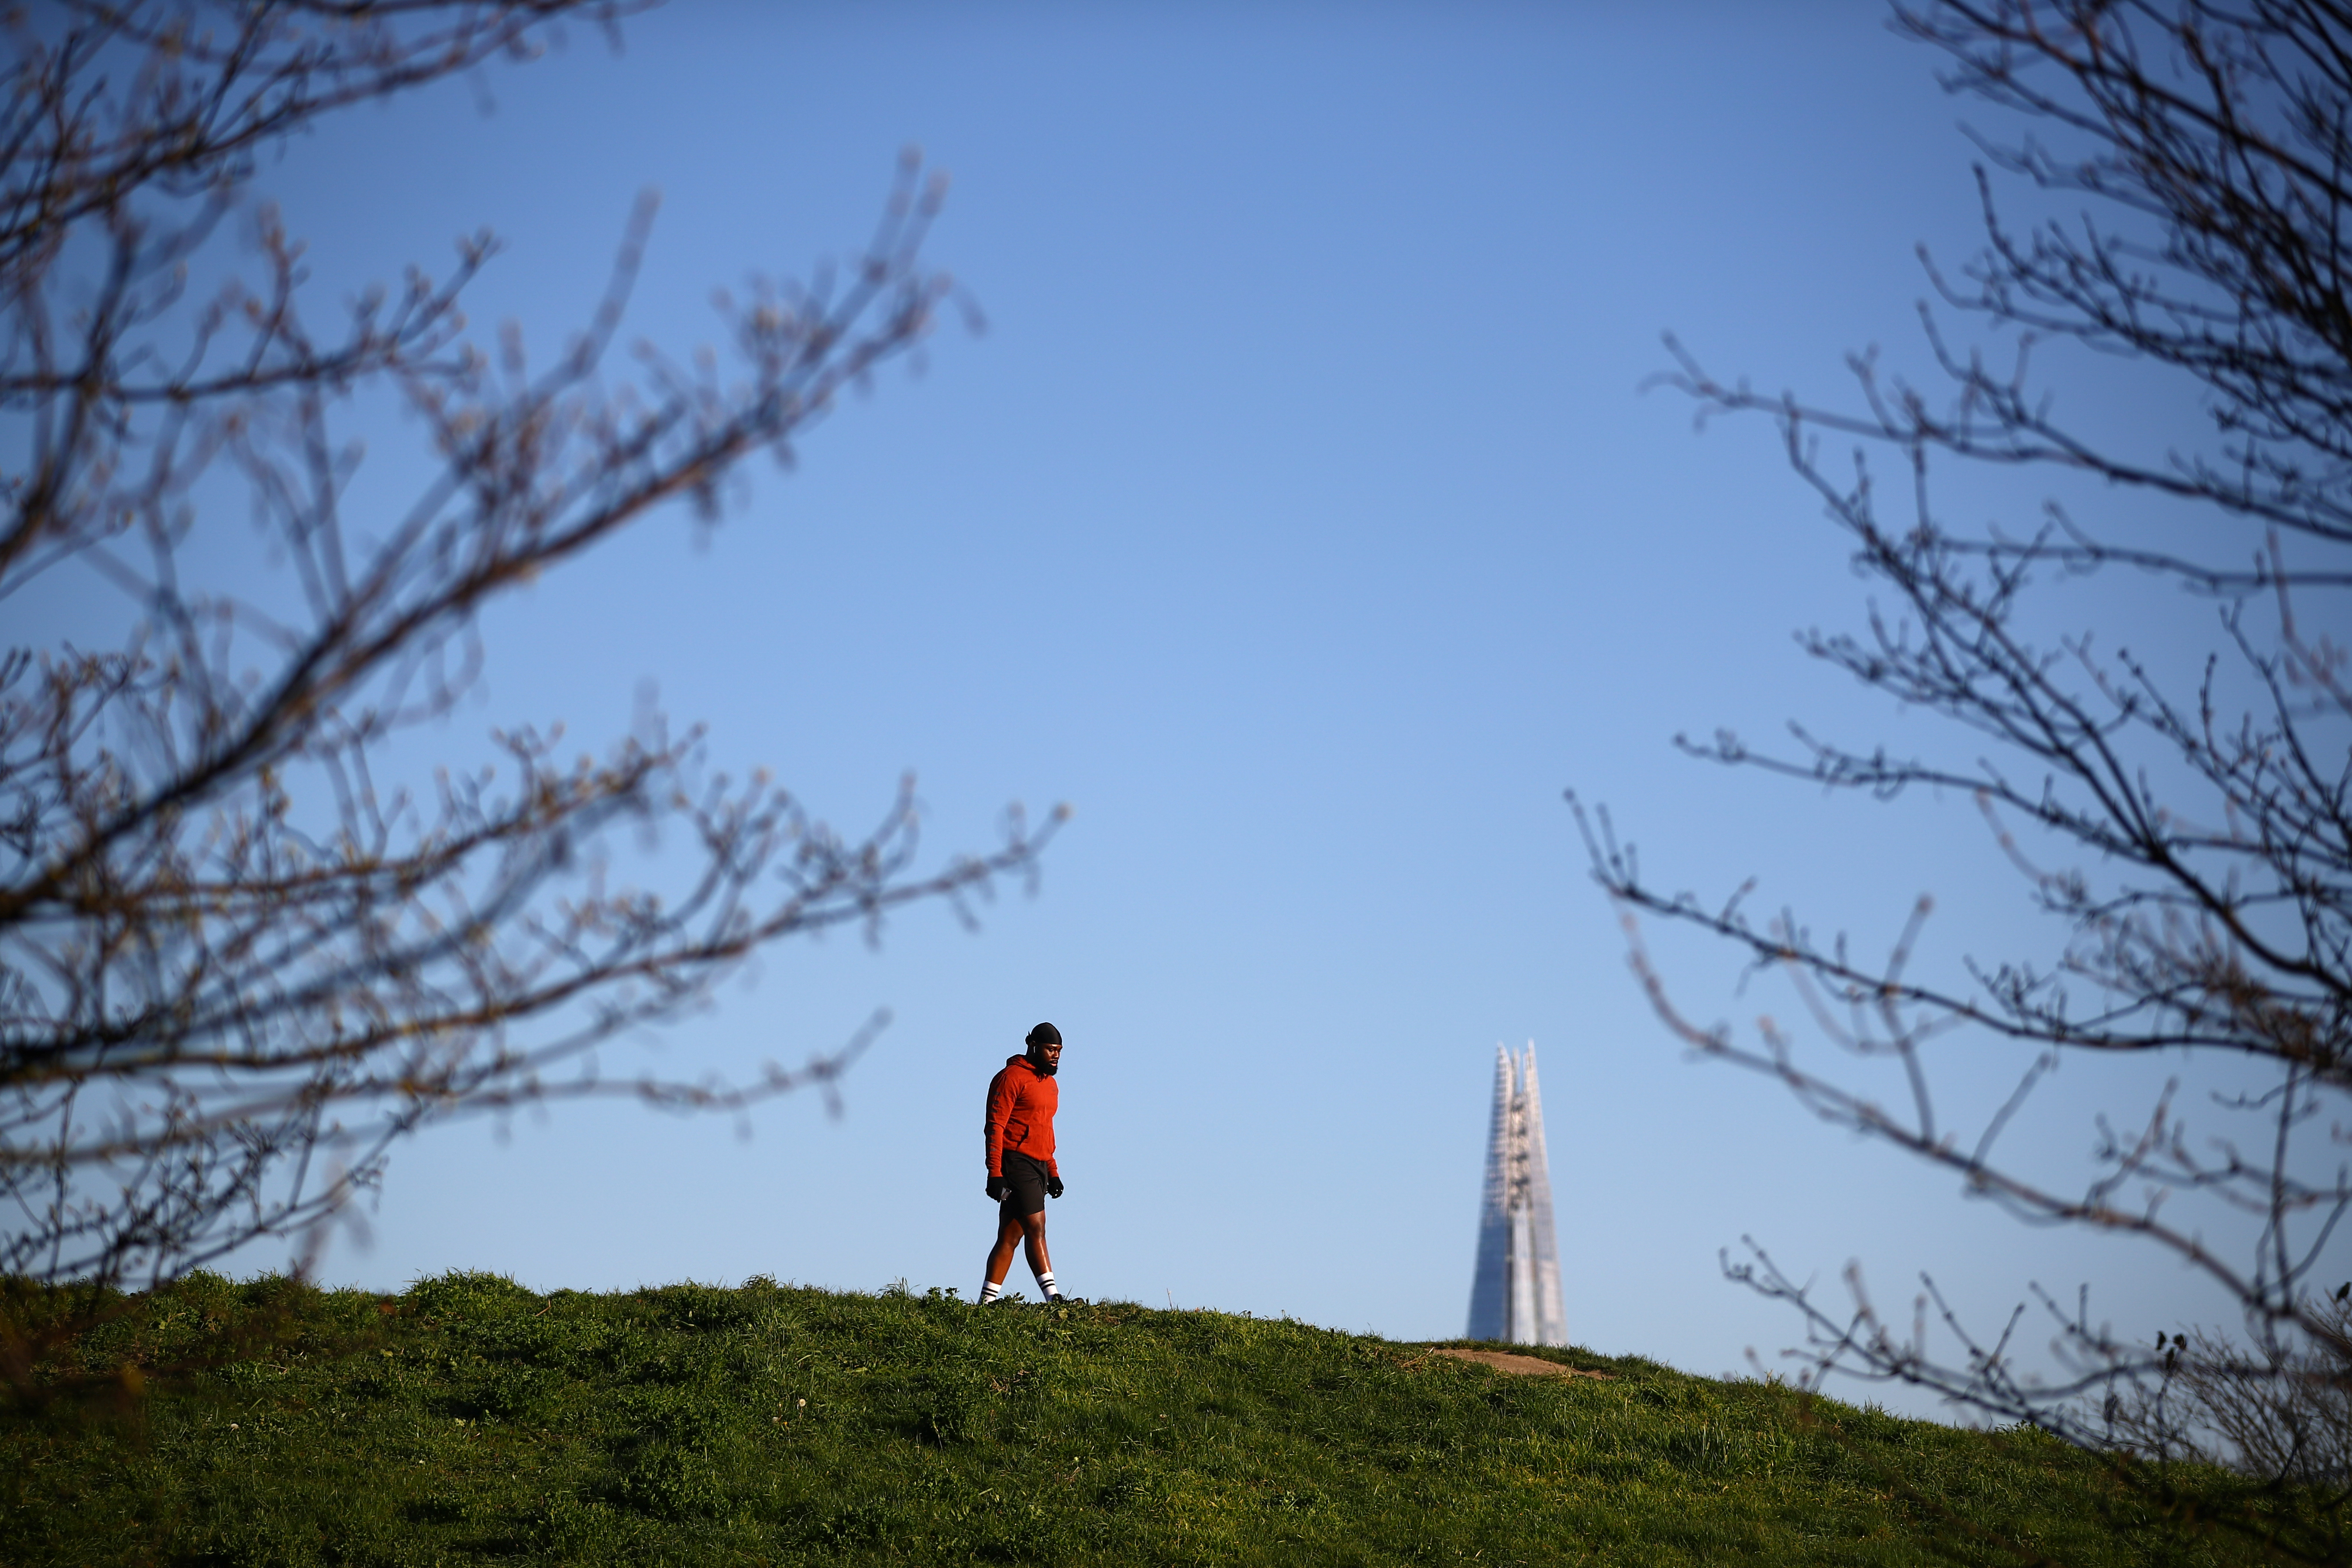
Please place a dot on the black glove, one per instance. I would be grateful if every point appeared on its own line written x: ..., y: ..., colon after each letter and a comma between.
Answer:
x: 1053, y: 1186
x: 999, y: 1189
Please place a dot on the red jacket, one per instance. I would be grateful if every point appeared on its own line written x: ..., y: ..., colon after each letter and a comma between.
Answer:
x: 1021, y: 1102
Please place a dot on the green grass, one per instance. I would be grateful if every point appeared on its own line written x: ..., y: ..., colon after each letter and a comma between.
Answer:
x: 470, y: 1420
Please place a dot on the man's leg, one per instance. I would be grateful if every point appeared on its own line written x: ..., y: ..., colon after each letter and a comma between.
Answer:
x: 1032, y: 1231
x: 1000, y: 1257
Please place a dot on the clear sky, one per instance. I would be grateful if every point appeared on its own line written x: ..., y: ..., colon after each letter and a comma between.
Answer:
x: 1299, y: 520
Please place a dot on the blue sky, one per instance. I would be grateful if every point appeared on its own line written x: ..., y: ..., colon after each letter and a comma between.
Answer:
x: 1299, y: 520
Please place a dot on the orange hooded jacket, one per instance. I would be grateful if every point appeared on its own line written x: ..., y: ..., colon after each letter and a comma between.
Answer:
x: 1021, y: 1104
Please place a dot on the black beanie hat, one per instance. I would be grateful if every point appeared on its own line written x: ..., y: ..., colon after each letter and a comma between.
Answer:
x: 1043, y: 1035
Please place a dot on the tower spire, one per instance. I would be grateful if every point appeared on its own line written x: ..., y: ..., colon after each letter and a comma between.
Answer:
x: 1515, y: 1292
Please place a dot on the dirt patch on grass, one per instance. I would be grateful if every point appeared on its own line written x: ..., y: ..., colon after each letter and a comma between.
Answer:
x: 1521, y: 1365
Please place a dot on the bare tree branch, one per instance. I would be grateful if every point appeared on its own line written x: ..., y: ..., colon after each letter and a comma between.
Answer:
x: 2192, y: 844
x: 236, y: 967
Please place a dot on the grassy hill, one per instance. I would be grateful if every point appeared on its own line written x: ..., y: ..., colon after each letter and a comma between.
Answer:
x: 471, y: 1420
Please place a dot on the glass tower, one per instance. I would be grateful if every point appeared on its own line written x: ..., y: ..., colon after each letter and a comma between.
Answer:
x: 1515, y: 1293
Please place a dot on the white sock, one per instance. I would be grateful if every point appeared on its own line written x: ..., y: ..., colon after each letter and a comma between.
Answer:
x: 989, y: 1291
x: 1046, y: 1284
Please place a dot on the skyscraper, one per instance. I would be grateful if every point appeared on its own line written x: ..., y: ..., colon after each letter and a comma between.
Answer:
x: 1515, y: 1294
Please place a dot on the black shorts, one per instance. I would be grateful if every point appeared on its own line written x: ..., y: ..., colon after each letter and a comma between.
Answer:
x: 1028, y: 1179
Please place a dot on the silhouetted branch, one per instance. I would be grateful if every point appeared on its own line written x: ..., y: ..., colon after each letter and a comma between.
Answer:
x: 2193, y: 843
x: 235, y: 966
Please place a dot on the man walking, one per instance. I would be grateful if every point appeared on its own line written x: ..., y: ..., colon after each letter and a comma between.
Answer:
x: 1020, y: 1170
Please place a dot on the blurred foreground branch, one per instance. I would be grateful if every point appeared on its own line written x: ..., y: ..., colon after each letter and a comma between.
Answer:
x: 2190, y: 842
x: 236, y: 964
